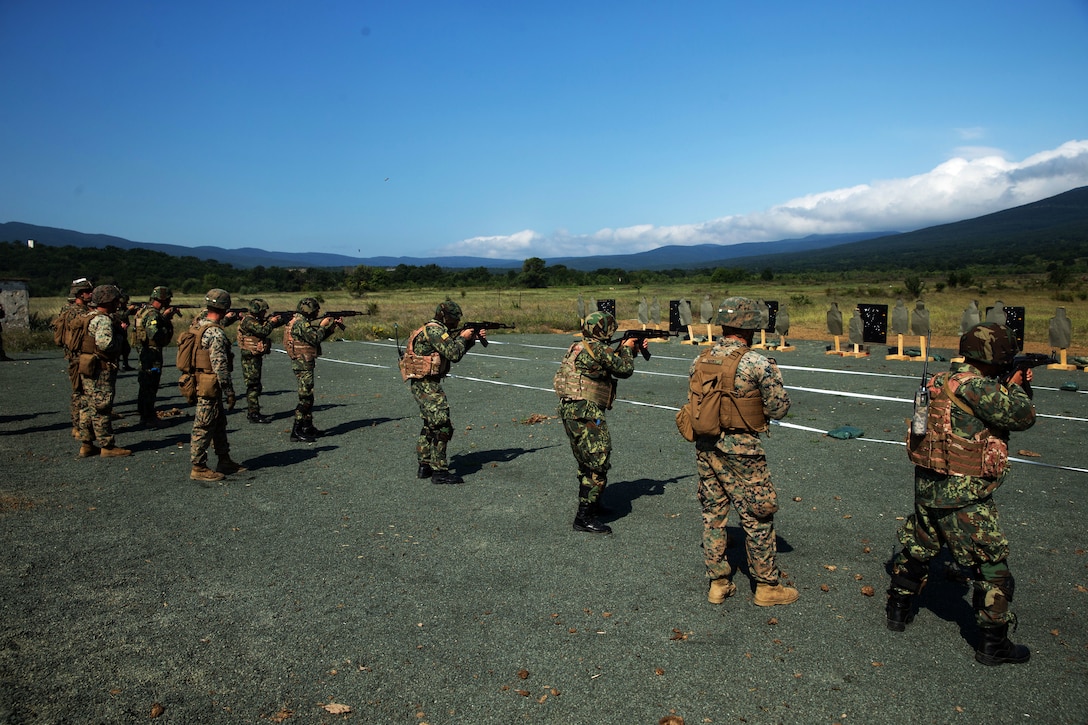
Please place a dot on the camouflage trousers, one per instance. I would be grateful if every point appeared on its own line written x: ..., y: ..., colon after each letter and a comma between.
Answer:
x: 252, y: 366
x: 591, y: 444
x: 75, y: 403
x: 304, y: 374
x: 95, y: 415
x: 974, y: 538
x: 209, y: 430
x: 149, y: 376
x: 742, y: 483
x: 437, y: 430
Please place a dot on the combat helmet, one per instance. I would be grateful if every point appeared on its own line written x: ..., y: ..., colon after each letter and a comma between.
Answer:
x: 258, y: 307
x: 308, y: 307
x: 599, y: 326
x: 448, y: 312
x: 104, y: 295
x: 217, y: 299
x: 989, y: 343
x: 162, y: 294
x: 739, y: 313
x: 79, y: 286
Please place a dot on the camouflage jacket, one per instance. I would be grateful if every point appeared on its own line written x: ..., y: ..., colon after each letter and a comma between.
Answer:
x: 597, y: 361
x: 305, y: 333
x: 754, y: 372
x: 216, y: 342
x: 158, y: 330
x: 435, y: 337
x: 995, y: 408
x: 106, y: 333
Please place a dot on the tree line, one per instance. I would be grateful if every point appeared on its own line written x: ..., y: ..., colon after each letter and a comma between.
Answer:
x: 49, y: 272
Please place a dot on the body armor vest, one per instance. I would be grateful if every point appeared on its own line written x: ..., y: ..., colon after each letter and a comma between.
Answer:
x: 299, y: 350
x: 252, y: 343
x: 414, y: 366
x: 570, y: 384
x: 941, y: 450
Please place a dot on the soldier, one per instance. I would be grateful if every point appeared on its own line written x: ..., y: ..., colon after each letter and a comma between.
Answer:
x: 214, y: 363
x: 302, y: 339
x: 99, y: 351
x: 960, y: 462
x: 732, y: 466
x: 3, y: 355
x: 128, y: 320
x: 153, y: 330
x: 430, y: 352
x: 65, y: 323
x: 254, y: 343
x: 586, y: 386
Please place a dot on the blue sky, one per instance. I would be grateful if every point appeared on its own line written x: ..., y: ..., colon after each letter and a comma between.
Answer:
x: 510, y: 130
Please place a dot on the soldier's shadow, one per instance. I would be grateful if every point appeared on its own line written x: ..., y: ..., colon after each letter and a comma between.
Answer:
x: 738, y: 554
x: 352, y: 425
x: 618, y: 499
x: 947, y: 595
x: 286, y: 457
x: 469, y: 463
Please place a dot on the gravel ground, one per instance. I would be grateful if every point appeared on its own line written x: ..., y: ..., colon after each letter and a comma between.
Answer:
x: 329, y: 576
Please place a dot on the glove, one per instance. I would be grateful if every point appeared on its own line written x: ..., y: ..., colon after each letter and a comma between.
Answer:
x: 230, y: 400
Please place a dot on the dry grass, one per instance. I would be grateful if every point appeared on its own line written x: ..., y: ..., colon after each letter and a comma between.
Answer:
x: 556, y: 309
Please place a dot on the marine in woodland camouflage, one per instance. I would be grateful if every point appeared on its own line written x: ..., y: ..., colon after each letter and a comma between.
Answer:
x: 733, y: 473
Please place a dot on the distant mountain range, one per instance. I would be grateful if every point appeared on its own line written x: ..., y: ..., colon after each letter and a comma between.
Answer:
x: 1053, y: 229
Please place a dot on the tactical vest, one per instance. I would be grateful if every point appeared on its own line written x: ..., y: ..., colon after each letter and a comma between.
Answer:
x: 202, y: 356
x: 252, y: 343
x: 138, y: 332
x: 414, y: 366
x: 569, y: 384
x: 299, y: 350
x: 986, y: 455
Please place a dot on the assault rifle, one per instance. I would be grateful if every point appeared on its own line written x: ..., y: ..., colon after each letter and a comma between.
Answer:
x: 479, y: 325
x: 165, y: 308
x: 641, y: 335
x: 1025, y: 361
x: 336, y: 314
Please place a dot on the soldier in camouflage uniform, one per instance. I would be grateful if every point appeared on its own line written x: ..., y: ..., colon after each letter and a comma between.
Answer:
x: 79, y: 304
x: 302, y: 339
x: 99, y: 352
x: 586, y: 386
x: 732, y: 466
x: 254, y: 343
x: 153, y: 330
x: 431, y: 350
x: 959, y: 462
x: 214, y: 363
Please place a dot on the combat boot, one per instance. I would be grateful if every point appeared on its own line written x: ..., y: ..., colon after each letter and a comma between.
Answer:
x: 899, y: 610
x: 446, y: 477
x: 227, y: 466
x: 299, y: 435
x: 114, y: 451
x: 203, y: 473
x: 424, y: 471
x: 585, y: 521
x: 768, y: 595
x: 995, y: 647
x: 308, y: 426
x: 88, y: 450
x: 720, y: 590
x: 254, y: 416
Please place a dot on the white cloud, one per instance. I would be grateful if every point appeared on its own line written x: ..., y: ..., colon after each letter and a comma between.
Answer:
x: 978, y: 181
